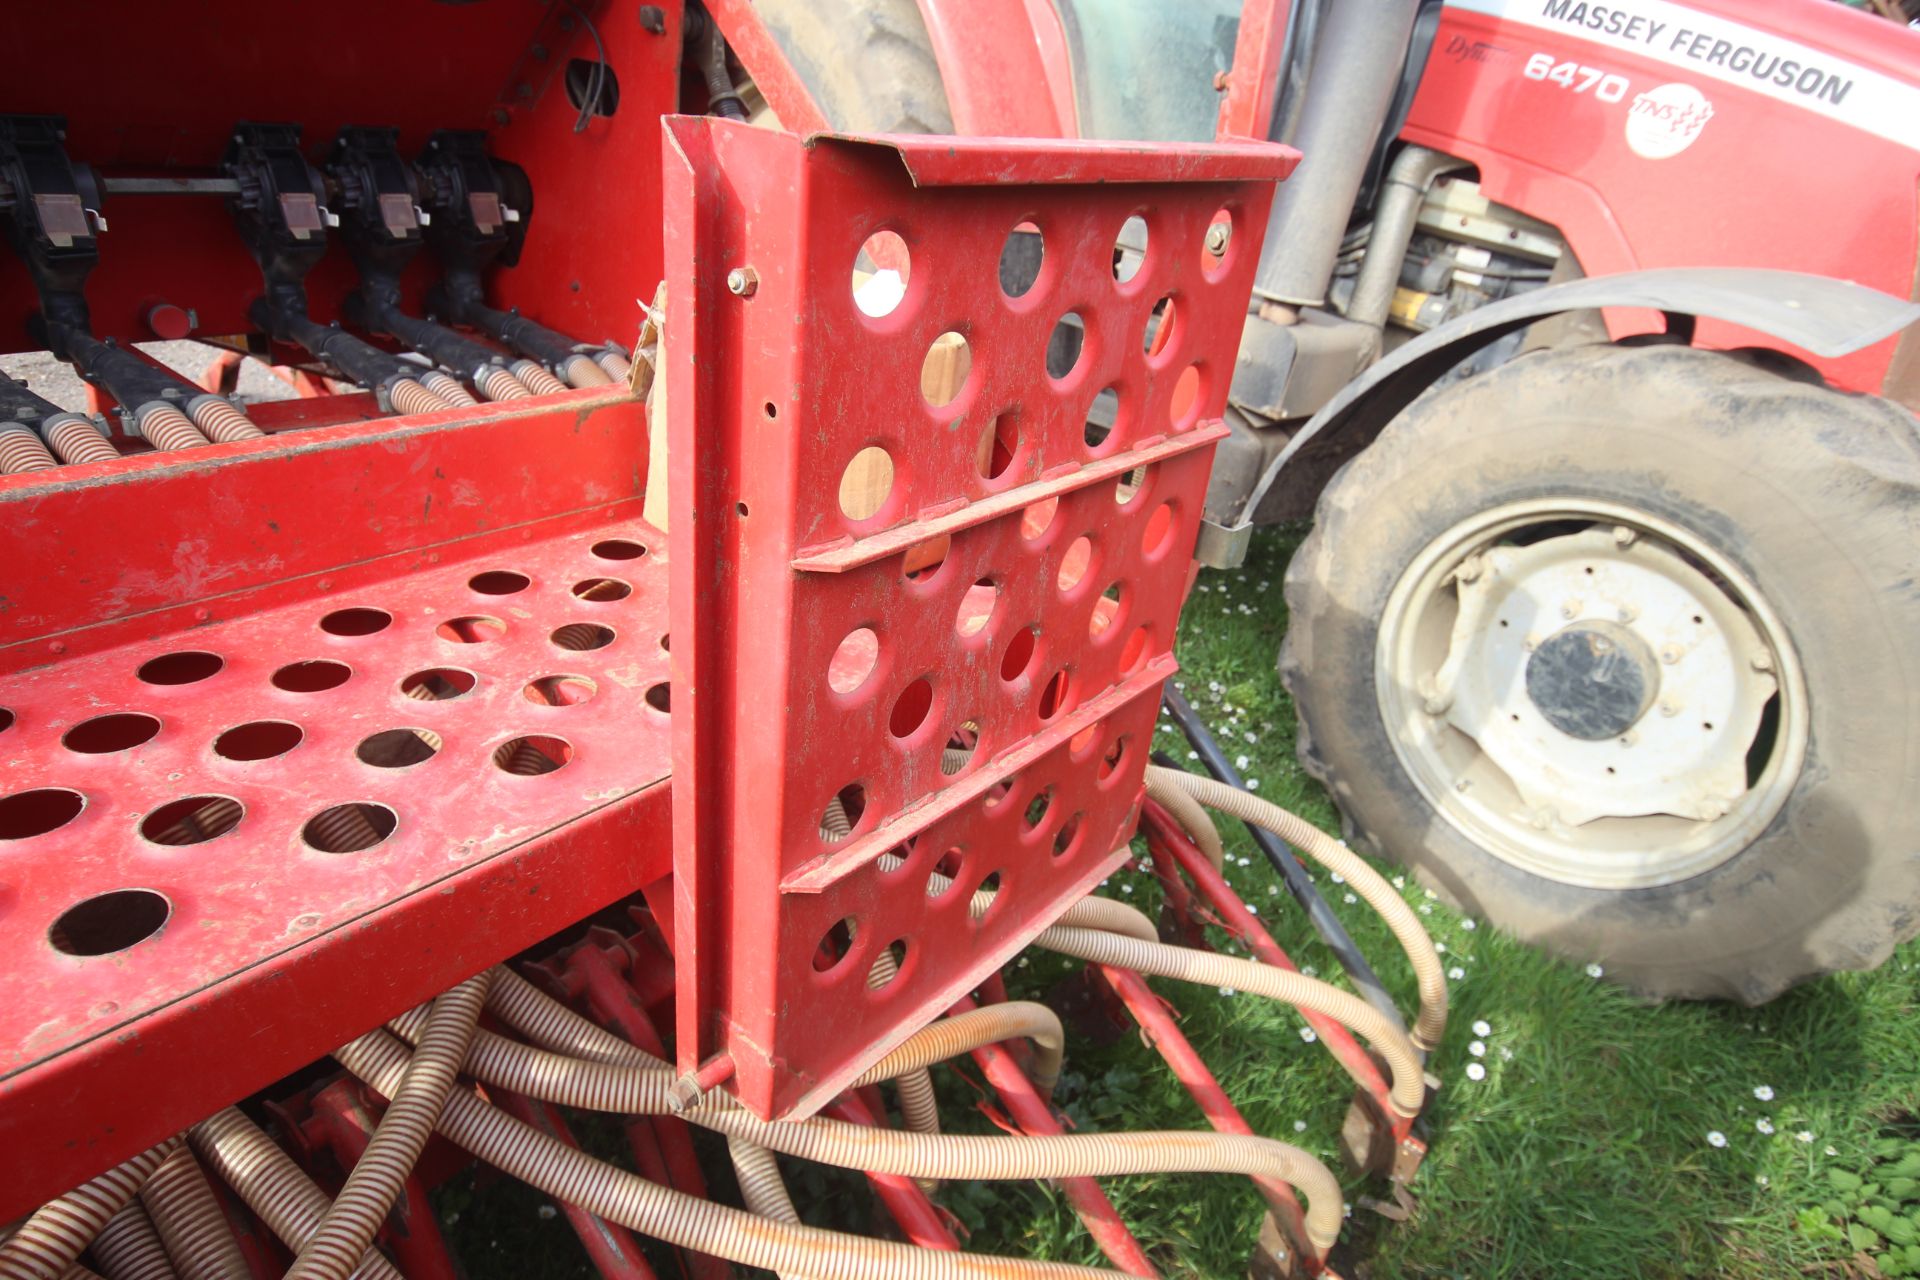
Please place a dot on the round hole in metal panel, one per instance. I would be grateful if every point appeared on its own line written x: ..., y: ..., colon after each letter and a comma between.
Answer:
x: 945, y: 873
x: 109, y: 922
x: 1067, y: 836
x: 1021, y: 258
x: 1134, y: 654
x: 398, y: 748
x: 976, y: 607
x: 1130, y: 485
x: 1107, y: 610
x: 438, y: 684
x: 854, y: 659
x: 1183, y: 410
x: 910, y: 708
x: 1103, y: 415
x: 6, y: 719
x: 192, y: 820
x: 999, y: 445
x: 963, y: 746
x: 1075, y: 563
x: 349, y: 828
x: 560, y: 691
x: 1130, y: 249
x: 660, y: 697
x: 921, y: 562
x: 619, y: 549
x: 989, y: 884
x: 186, y: 667
x: 116, y: 732
x: 34, y: 813
x: 581, y: 636
x: 881, y: 270
x: 843, y: 812
x: 1038, y: 518
x: 1162, y: 328
x: 499, y: 582
x: 835, y: 945
x: 315, y: 675
x: 359, y: 621
x: 1157, y: 532
x: 532, y: 755
x: 601, y: 590
x: 473, y: 628
x: 258, y: 740
x: 1019, y: 655
x: 944, y: 371
x: 866, y: 483
x: 1112, y: 758
x: 1065, y: 345
x: 884, y: 975
x: 1057, y: 696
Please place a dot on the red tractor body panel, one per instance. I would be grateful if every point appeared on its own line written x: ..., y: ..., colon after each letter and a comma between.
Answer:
x: 1783, y: 134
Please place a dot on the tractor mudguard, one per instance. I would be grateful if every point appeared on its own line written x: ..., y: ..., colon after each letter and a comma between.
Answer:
x: 1816, y: 313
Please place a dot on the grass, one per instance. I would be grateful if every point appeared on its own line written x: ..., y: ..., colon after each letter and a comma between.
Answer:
x: 1585, y: 1151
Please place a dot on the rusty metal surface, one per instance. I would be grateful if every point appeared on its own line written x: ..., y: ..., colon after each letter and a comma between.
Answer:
x: 1012, y: 582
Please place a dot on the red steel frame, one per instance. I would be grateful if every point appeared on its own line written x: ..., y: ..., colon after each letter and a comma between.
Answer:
x: 1060, y: 683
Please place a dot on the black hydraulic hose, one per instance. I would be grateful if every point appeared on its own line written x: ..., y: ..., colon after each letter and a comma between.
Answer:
x: 360, y: 361
x: 1299, y: 884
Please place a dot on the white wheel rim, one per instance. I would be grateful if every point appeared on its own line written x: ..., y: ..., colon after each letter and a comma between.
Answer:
x: 1672, y: 790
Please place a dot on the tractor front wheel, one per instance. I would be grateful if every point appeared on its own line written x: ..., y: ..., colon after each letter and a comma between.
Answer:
x: 1619, y: 649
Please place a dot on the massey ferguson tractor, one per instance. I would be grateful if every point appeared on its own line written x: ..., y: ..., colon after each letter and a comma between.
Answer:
x: 708, y: 605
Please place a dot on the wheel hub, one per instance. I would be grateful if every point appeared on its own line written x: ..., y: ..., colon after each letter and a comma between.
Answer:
x: 1583, y: 690
x: 1593, y: 679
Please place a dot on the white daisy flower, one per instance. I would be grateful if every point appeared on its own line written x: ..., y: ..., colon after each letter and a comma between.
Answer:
x: 1239, y: 762
x: 1478, y: 1049
x: 1716, y: 1139
x: 1350, y: 899
x: 1338, y: 878
x: 1764, y: 1125
x: 1440, y: 947
x: 1469, y: 923
x: 1456, y: 973
x: 1299, y: 1126
x: 1399, y: 882
x: 1594, y: 971
x: 1764, y: 1092
x: 1253, y: 784
x: 1805, y: 1135
x: 1482, y: 1028
x: 1506, y: 1054
x: 1308, y: 1034
x: 1476, y: 1072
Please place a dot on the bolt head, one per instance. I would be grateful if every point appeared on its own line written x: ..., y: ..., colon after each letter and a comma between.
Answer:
x: 1623, y: 536
x: 1763, y: 661
x: 1217, y: 237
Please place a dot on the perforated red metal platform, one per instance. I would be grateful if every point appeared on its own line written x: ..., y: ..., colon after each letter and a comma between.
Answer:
x: 310, y: 728
x: 930, y: 603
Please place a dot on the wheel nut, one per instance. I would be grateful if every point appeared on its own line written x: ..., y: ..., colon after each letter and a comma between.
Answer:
x: 1763, y: 661
x: 742, y: 282
x: 1571, y: 609
x: 1670, y: 654
x: 1623, y: 536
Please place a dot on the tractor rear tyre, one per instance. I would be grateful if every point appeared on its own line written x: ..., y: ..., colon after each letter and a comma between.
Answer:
x: 1618, y: 648
x: 870, y: 67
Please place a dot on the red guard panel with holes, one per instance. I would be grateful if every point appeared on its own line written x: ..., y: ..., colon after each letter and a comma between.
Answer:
x: 295, y: 733
x: 941, y: 625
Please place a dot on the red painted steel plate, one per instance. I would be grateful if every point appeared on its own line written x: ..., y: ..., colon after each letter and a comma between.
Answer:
x: 1018, y: 585
x: 230, y: 960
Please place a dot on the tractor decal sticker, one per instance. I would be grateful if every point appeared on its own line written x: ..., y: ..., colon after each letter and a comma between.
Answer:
x: 1664, y: 121
x: 1711, y: 47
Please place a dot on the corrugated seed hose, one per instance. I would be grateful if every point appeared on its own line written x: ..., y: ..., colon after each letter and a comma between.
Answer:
x: 629, y: 1090
x: 49, y: 1241
x: 192, y: 1228
x: 378, y: 1176
x: 129, y: 1248
x: 272, y: 1185
x: 964, y: 1032
x: 1336, y: 857
x: 1191, y: 815
x: 575, y: 1178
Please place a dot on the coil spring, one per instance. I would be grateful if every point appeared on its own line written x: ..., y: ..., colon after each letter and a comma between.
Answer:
x: 408, y: 396
x: 580, y: 371
x: 220, y: 422
x: 618, y: 367
x: 165, y: 427
x: 216, y: 817
x: 537, y: 379
x: 191, y: 1225
x: 129, y: 1248
x: 496, y: 383
x: 523, y: 757
x: 75, y: 440
x: 447, y: 387
x: 21, y: 451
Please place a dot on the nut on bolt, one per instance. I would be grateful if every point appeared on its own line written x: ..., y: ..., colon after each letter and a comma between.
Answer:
x: 1217, y: 236
x: 743, y: 282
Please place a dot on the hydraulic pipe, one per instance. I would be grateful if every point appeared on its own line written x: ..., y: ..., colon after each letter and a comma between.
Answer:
x: 1357, y: 62
x: 1394, y: 217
